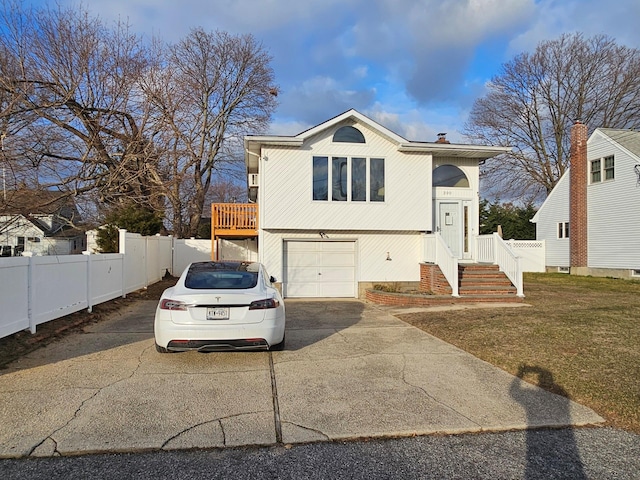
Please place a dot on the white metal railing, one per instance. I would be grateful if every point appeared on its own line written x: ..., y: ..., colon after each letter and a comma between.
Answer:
x: 485, y: 249
x: 436, y: 250
x: 509, y: 263
x: 429, y: 247
x: 488, y: 249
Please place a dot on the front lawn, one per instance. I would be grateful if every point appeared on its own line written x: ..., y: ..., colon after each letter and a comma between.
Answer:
x: 585, y: 331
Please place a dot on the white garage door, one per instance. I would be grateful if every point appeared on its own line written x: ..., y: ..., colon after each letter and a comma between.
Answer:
x: 319, y: 269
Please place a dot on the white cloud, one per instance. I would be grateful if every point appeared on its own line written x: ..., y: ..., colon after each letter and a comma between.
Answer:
x: 407, y: 61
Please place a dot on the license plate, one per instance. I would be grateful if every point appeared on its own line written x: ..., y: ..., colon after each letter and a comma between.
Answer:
x: 217, y: 313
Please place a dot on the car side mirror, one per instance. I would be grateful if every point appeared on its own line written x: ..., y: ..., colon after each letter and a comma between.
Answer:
x: 272, y: 279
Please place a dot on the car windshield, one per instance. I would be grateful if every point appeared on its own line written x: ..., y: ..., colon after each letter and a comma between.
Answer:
x: 221, y: 276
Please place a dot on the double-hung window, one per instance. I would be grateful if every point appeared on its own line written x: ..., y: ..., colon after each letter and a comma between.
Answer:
x: 602, y: 169
x: 348, y: 179
x: 563, y: 230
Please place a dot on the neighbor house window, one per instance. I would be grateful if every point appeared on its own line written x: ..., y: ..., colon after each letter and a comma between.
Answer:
x: 596, y: 174
x: 352, y: 179
x: 563, y: 230
x: 602, y: 169
x: 608, y: 168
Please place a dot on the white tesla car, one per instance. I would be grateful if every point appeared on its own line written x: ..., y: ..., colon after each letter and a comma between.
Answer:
x: 219, y: 306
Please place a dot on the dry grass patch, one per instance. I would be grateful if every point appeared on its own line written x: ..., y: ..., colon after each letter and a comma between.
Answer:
x: 584, y: 330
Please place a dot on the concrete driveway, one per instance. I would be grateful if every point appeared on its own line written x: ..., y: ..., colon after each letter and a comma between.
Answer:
x: 350, y: 370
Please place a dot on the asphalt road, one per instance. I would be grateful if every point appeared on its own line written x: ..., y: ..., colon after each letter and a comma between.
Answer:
x: 593, y: 453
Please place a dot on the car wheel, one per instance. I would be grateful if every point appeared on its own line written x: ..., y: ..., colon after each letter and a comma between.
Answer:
x: 278, y: 347
x: 160, y: 349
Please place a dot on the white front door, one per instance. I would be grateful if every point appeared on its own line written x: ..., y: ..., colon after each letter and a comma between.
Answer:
x: 450, y: 226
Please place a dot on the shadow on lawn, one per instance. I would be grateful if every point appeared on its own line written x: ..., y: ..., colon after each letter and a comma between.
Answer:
x: 551, y: 453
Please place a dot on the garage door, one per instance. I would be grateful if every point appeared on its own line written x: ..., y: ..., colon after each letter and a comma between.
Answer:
x: 319, y: 269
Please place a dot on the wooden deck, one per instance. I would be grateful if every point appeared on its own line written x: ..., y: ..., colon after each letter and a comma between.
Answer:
x: 234, y: 220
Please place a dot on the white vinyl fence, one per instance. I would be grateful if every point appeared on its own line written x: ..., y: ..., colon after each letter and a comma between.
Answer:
x: 37, y: 289
x: 531, y: 253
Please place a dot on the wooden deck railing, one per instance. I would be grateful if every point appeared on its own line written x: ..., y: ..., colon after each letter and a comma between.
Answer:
x: 234, y: 219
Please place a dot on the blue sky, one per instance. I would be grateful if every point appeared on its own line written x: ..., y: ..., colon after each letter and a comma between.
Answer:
x: 416, y: 66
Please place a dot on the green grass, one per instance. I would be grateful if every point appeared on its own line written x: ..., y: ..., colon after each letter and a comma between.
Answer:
x: 584, y: 330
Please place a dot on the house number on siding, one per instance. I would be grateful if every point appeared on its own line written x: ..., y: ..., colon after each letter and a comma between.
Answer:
x: 447, y: 193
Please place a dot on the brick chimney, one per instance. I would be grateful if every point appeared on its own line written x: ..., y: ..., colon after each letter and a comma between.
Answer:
x: 578, y: 197
x: 442, y: 138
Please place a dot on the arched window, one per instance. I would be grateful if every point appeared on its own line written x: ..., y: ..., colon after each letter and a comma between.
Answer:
x: 449, y: 176
x: 348, y: 134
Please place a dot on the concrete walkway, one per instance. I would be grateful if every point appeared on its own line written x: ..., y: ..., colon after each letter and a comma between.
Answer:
x: 350, y: 370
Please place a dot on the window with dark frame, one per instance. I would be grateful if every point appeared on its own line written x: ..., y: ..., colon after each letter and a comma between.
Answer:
x: 563, y: 230
x: 348, y: 134
x: 354, y: 179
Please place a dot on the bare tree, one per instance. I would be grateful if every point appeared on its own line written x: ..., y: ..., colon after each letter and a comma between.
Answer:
x: 91, y: 110
x: 211, y: 89
x: 71, y: 113
x: 535, y: 99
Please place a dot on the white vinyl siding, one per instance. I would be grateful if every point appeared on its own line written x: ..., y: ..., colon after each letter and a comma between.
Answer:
x: 288, y: 201
x: 614, y: 217
x: 372, y: 249
x: 553, y: 212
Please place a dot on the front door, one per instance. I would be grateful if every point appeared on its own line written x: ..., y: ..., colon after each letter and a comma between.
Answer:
x: 450, y: 226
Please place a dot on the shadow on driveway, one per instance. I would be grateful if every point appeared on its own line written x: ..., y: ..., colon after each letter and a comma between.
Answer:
x: 558, y: 452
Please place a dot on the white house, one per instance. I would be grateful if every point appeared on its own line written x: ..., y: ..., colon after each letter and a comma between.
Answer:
x: 40, y: 222
x: 591, y: 221
x: 347, y: 204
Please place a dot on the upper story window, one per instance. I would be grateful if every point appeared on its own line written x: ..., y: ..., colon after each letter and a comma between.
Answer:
x: 348, y: 179
x: 449, y: 176
x: 602, y: 168
x: 348, y: 134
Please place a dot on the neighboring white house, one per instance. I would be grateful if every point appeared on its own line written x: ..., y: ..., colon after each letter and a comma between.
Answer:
x: 40, y: 222
x: 345, y: 204
x: 591, y: 220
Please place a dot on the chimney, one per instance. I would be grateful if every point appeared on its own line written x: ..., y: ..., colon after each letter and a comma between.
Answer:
x: 442, y: 138
x: 578, y: 197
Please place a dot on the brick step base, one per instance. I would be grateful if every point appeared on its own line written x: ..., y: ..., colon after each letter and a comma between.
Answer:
x: 481, y: 281
x: 414, y: 300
